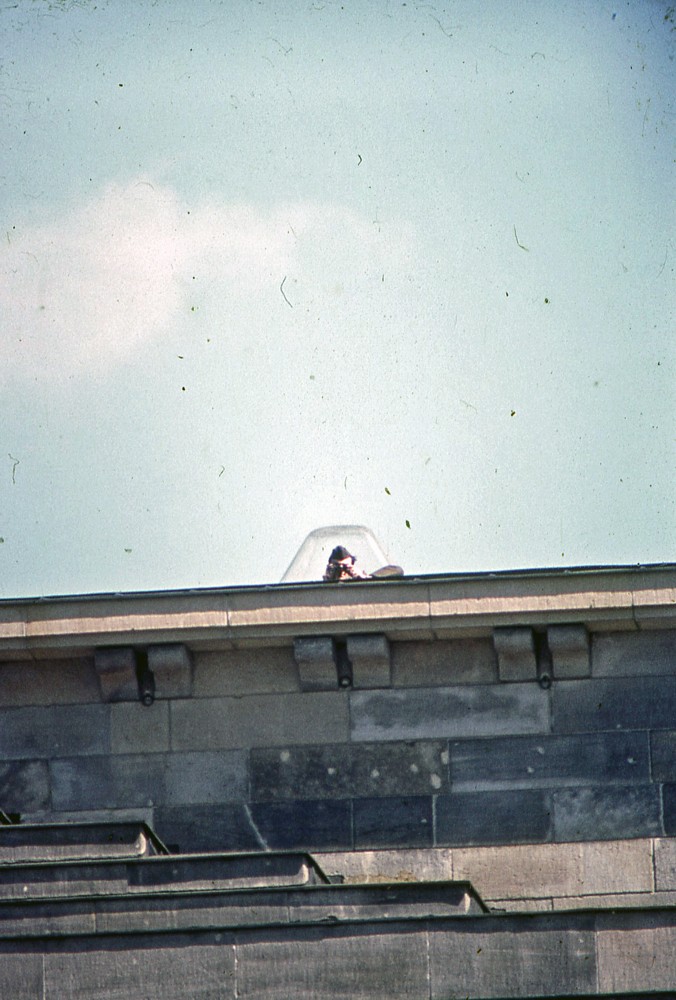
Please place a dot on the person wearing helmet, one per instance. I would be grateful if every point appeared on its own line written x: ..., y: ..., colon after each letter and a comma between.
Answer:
x: 341, y: 567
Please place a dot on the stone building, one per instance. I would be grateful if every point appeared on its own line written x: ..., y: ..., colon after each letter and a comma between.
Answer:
x: 447, y: 786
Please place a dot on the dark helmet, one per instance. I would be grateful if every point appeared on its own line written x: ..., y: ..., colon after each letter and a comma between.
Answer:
x: 340, y: 553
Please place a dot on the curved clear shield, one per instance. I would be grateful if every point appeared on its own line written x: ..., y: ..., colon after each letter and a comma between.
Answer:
x: 310, y: 561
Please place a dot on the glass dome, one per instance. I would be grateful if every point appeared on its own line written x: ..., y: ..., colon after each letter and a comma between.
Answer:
x: 310, y: 561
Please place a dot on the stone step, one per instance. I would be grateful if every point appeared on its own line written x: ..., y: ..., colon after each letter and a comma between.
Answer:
x: 160, y: 874
x: 20, y: 843
x: 226, y: 910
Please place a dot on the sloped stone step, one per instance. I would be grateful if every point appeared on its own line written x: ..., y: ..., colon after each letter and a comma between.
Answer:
x: 195, y: 911
x: 21, y: 843
x: 168, y: 874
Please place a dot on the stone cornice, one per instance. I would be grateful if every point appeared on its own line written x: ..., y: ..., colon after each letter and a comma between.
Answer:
x: 425, y: 607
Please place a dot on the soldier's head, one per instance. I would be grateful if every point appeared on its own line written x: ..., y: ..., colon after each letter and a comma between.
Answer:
x: 340, y: 554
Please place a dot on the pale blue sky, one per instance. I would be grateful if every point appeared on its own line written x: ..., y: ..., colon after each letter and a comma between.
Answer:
x: 270, y: 266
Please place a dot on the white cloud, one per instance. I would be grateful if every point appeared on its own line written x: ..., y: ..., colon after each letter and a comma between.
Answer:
x: 86, y: 291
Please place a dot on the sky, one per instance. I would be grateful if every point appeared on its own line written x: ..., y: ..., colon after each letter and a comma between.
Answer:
x: 271, y: 266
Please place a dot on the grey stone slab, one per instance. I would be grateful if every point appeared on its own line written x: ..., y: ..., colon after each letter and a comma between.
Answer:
x: 304, y: 825
x: 669, y: 809
x: 430, y: 713
x: 466, y: 818
x: 602, y: 813
x: 221, y: 827
x: 21, y: 976
x: 48, y: 920
x: 315, y: 772
x: 205, y: 777
x: 222, y: 871
x: 163, y: 875
x: 107, y: 782
x: 334, y: 964
x: 137, y: 728
x: 663, y: 755
x: 192, y: 911
x: 393, y: 822
x: 614, y: 703
x: 444, y: 663
x: 245, y: 671
x: 60, y: 730
x: 400, y: 768
x: 125, y: 970
x: 546, y: 871
x: 259, y: 720
x: 49, y: 682
x: 636, y: 952
x: 549, y: 761
x: 548, y: 956
x: 51, y: 881
x: 617, y: 654
x: 665, y: 865
x: 78, y: 839
x: 24, y: 786
x: 343, y: 771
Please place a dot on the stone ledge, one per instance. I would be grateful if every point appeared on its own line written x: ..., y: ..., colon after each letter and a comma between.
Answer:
x: 446, y: 606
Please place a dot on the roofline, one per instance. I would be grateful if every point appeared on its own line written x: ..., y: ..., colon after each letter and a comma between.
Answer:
x: 420, y: 607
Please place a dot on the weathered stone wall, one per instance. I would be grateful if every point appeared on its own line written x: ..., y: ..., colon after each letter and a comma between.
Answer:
x: 449, y: 755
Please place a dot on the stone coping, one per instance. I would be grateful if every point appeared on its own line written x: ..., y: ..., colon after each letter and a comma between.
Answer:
x: 423, y: 607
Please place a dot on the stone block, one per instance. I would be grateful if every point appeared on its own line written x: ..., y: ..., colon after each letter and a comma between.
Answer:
x: 453, y: 712
x: 399, y: 865
x: 21, y: 974
x: 370, y: 659
x: 160, y: 969
x: 549, y: 761
x: 444, y: 663
x: 663, y: 755
x: 669, y: 809
x: 618, y: 654
x: 116, y: 670
x: 614, y: 703
x: 59, y: 730
x: 569, y: 647
x: 393, y: 822
x: 314, y: 772
x: 490, y: 958
x: 171, y: 665
x: 206, y: 777
x: 515, y: 650
x: 334, y: 962
x: 546, y: 871
x: 49, y: 682
x: 221, y: 827
x: 492, y: 817
x: 260, y: 720
x: 665, y: 865
x: 245, y: 671
x: 24, y: 786
x: 137, y: 728
x: 303, y: 825
x: 107, y: 782
x: 342, y: 771
x: 316, y: 660
x: 603, y: 813
x: 635, y: 952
